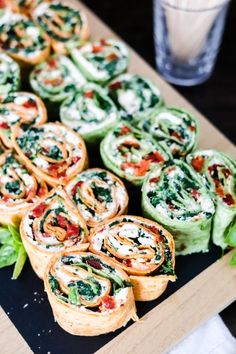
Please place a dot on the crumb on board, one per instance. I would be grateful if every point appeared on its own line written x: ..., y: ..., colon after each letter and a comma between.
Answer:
x: 25, y: 305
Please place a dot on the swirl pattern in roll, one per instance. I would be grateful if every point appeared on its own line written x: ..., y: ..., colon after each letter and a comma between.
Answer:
x: 19, y: 107
x: 56, y: 79
x: 142, y: 248
x: 101, y: 60
x: 19, y: 188
x: 98, y: 194
x: 174, y: 128
x: 90, y: 112
x: 130, y: 153
x: 50, y: 226
x: 89, y: 294
x: 219, y: 172
x: 62, y: 23
x: 9, y: 74
x: 23, y: 40
x: 52, y: 151
x: 175, y: 195
x: 135, y: 96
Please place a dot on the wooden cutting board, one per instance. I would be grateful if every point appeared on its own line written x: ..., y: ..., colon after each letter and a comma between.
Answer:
x: 205, y: 295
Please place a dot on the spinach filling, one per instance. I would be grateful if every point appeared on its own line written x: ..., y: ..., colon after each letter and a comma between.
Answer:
x: 101, y: 194
x: 55, y: 153
x: 88, y: 289
x: 29, y: 142
x: 173, y: 192
x: 53, y: 283
x: 13, y: 187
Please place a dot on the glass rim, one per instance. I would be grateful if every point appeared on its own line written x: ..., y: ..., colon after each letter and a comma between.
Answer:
x: 179, y: 8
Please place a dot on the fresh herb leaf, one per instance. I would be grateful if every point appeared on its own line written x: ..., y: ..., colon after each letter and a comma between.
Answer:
x: 102, y: 194
x: 53, y: 283
x: 8, y: 255
x: 12, y: 249
x: 21, y: 258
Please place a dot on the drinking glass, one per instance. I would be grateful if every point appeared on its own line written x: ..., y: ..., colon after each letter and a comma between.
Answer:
x: 187, y: 36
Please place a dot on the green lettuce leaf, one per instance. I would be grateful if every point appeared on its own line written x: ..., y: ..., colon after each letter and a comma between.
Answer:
x: 12, y: 249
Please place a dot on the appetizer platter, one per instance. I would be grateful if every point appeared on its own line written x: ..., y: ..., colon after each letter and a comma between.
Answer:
x: 110, y: 185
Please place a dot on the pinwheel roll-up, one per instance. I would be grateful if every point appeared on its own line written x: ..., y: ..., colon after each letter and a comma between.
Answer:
x: 142, y: 248
x: 63, y: 24
x: 98, y: 194
x: 89, y: 294
x: 219, y: 172
x: 130, y: 153
x: 24, y: 41
x: 52, y: 151
x: 101, y: 60
x: 135, y: 96
x: 9, y: 74
x: 56, y: 79
x: 174, y: 195
x: 19, y: 188
x: 19, y: 107
x: 174, y: 128
x: 50, y: 226
x: 90, y: 112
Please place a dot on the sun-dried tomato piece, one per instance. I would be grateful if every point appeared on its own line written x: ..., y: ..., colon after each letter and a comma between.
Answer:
x: 72, y: 230
x: 108, y: 302
x: 93, y: 263
x: 39, y: 210
x: 197, y: 163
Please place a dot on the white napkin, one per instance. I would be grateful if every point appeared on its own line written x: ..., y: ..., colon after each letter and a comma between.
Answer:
x: 212, y: 338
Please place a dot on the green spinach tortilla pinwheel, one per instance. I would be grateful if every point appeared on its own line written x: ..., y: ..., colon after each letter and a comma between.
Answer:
x: 63, y: 24
x: 89, y: 294
x: 135, y: 97
x: 19, y: 188
x: 24, y: 41
x: 51, y: 226
x: 175, y: 195
x: 219, y: 172
x: 19, y: 107
x: 9, y: 74
x: 54, y: 152
x: 56, y: 79
x: 98, y: 194
x: 174, y: 128
x: 131, y: 154
x: 142, y: 248
x: 101, y: 60
x: 90, y: 112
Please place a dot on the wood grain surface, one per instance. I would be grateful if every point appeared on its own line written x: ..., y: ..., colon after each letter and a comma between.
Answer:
x: 185, y: 310
x: 11, y: 341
